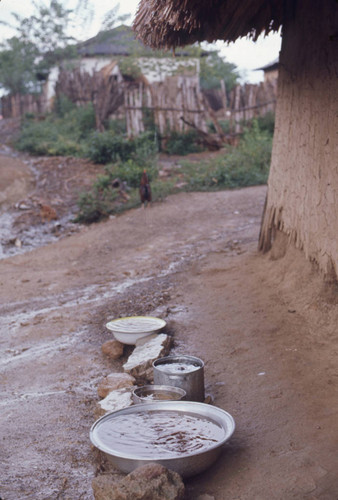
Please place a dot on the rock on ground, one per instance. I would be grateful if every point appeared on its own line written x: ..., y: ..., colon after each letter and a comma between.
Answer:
x: 114, y: 381
x: 139, y: 363
x: 148, y: 482
x: 116, y: 400
x: 113, y: 349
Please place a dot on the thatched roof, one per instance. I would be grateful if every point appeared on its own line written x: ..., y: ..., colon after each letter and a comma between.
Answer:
x: 172, y: 23
x: 120, y: 41
x: 271, y: 66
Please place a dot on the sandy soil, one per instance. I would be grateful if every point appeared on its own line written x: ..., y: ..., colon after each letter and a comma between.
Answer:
x: 266, y: 329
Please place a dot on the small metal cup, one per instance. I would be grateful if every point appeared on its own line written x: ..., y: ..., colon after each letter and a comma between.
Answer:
x: 151, y: 393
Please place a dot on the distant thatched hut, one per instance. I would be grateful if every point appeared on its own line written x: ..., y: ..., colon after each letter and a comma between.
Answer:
x: 270, y: 70
x: 302, y: 201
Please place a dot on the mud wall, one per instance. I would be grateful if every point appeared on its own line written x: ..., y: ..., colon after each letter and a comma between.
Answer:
x: 302, y: 196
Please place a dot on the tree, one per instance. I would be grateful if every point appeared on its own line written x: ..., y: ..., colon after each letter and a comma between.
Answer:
x: 17, y: 71
x: 41, y: 40
x: 214, y: 69
x: 112, y: 18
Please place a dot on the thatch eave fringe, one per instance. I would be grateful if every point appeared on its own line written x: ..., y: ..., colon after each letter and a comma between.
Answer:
x: 172, y: 23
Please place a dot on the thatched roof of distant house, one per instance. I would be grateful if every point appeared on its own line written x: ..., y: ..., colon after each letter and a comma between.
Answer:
x: 271, y: 66
x: 172, y: 23
x: 120, y: 41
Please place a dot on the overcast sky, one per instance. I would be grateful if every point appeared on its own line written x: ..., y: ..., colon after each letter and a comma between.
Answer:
x: 245, y: 54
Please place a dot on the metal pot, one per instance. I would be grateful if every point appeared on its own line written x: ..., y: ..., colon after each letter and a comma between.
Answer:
x: 186, y: 372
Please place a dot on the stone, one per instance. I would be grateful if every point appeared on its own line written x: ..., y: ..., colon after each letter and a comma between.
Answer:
x: 114, y: 381
x: 116, y: 400
x: 113, y: 349
x: 205, y: 497
x: 145, y: 340
x: 139, y: 363
x: 148, y: 482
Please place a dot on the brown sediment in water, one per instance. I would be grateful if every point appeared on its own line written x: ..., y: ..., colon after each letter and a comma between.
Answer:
x: 158, y: 434
x: 160, y: 396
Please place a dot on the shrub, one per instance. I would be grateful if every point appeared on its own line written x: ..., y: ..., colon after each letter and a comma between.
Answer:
x: 117, y: 126
x: 97, y: 203
x: 245, y: 165
x: 44, y: 138
x: 130, y: 172
x: 103, y: 200
x: 82, y: 119
x: 183, y: 143
x: 267, y: 122
x: 225, y: 125
x: 106, y: 147
x: 58, y: 135
x: 63, y: 105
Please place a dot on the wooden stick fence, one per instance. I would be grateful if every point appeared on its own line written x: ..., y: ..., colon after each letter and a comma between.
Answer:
x: 175, y: 102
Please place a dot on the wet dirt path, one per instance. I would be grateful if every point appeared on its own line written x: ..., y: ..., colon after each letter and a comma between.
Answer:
x: 270, y: 351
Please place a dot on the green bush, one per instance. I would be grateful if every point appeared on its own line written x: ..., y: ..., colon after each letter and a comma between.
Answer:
x: 106, y: 147
x: 82, y: 119
x: 182, y: 143
x: 116, y: 126
x: 267, y: 122
x: 44, y: 138
x: 130, y: 172
x: 63, y: 105
x: 103, y: 199
x: 245, y: 165
x: 58, y: 135
x: 225, y: 125
x: 97, y: 203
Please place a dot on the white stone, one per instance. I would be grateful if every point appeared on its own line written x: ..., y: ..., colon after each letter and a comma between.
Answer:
x: 116, y: 400
x: 114, y: 381
x: 139, y: 363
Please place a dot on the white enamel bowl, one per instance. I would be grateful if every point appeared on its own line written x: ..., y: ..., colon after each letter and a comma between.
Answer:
x: 132, y: 328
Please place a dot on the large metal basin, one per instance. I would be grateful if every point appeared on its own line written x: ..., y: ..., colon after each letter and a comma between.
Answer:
x: 186, y: 464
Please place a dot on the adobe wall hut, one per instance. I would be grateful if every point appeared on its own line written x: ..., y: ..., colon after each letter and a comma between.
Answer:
x: 302, y: 201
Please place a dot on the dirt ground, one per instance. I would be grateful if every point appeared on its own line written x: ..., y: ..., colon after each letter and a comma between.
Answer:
x: 266, y: 329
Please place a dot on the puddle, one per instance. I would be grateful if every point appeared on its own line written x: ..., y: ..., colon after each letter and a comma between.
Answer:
x: 14, y: 242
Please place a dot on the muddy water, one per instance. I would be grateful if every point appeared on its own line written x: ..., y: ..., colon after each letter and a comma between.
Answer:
x: 168, y: 434
x: 20, y: 230
x: 14, y: 242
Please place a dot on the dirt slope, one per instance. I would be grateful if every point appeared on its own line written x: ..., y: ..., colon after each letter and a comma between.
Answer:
x: 265, y: 328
